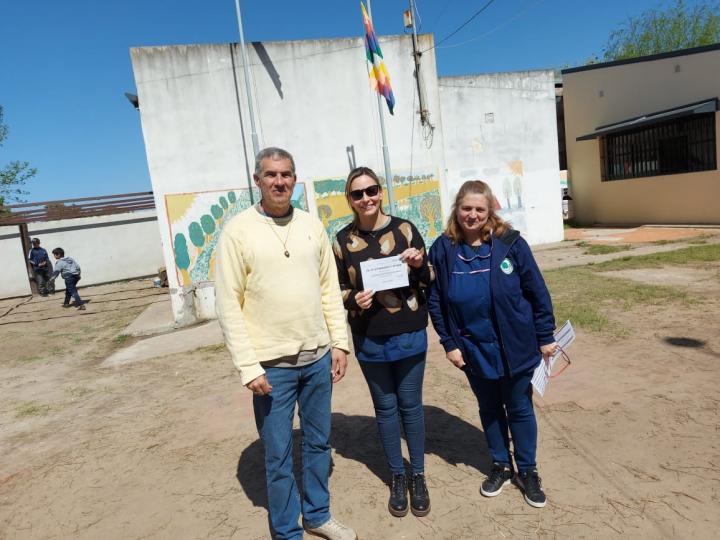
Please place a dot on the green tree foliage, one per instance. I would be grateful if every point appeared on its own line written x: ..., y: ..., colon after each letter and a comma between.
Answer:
x: 224, y: 203
x: 14, y: 174
x: 207, y: 223
x: 664, y: 29
x: 182, y: 258
x: 232, y: 197
x: 197, y: 236
x: 216, y: 211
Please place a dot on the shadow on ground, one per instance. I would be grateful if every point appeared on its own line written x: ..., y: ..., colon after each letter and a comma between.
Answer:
x: 355, y: 437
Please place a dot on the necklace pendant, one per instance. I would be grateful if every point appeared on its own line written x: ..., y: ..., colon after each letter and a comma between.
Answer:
x: 287, y: 253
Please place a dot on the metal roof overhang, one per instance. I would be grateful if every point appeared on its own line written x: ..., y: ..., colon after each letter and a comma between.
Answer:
x: 706, y: 106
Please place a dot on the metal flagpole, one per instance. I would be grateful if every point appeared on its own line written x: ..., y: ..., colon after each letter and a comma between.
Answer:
x: 386, y: 154
x: 253, y: 131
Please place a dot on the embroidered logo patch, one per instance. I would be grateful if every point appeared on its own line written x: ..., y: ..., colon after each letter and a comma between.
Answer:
x: 507, y: 267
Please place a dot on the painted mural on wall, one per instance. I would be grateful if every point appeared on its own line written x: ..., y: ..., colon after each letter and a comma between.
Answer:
x: 196, y: 221
x: 510, y: 203
x: 506, y: 179
x: 417, y: 199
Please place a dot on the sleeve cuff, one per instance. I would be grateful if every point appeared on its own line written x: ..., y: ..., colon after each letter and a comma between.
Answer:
x: 250, y: 373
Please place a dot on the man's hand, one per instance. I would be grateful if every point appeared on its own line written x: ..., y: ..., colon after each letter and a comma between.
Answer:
x: 364, y: 298
x: 413, y: 257
x: 259, y: 386
x: 456, y: 357
x: 339, y: 364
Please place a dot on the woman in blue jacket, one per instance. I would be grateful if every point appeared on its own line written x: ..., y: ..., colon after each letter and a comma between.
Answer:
x: 493, y: 313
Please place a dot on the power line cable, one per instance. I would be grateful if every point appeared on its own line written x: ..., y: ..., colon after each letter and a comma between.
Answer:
x: 463, y: 25
x: 498, y: 27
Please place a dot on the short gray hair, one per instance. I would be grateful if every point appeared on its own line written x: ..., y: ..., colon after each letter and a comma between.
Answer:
x: 273, y: 153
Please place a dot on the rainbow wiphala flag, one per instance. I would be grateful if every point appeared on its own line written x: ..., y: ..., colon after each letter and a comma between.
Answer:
x: 379, y: 77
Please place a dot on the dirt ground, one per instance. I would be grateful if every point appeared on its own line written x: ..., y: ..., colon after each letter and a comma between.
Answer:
x: 166, y: 448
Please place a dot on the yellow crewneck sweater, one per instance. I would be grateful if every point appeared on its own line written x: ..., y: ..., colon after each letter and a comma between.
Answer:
x: 269, y: 305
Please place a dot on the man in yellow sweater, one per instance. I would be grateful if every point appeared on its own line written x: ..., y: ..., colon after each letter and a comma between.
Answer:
x: 279, y: 305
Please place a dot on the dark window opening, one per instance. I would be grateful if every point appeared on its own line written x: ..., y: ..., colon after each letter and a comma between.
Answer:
x: 676, y: 146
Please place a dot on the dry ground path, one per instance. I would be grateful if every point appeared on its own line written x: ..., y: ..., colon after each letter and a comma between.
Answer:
x: 167, y: 447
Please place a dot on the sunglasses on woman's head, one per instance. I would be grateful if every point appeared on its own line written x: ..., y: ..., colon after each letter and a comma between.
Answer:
x: 370, y: 191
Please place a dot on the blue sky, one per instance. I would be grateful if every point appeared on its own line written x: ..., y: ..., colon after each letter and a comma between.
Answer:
x: 64, y: 66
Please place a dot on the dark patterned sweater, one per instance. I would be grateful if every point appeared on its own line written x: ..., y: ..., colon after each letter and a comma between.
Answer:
x: 393, y: 311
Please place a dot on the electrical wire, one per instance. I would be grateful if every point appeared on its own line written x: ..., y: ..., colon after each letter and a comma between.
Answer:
x: 463, y: 25
x: 498, y: 27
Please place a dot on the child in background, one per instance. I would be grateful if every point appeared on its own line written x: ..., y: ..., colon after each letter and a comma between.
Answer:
x: 70, y: 272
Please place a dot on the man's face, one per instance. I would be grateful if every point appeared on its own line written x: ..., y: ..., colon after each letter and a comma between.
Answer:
x: 36, y: 244
x: 276, y: 182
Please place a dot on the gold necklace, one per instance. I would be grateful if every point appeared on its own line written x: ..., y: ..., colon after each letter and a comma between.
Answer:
x: 284, y: 244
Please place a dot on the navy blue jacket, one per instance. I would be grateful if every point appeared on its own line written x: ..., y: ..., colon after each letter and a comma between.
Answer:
x: 521, y: 302
x: 38, y: 255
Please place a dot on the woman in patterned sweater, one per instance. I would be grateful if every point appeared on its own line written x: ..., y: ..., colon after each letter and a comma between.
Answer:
x: 389, y: 331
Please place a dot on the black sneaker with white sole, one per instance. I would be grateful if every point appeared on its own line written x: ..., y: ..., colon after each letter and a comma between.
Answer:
x: 531, y: 485
x: 500, y: 475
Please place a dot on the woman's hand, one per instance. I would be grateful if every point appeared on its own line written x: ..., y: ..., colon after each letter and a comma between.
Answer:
x: 413, y: 257
x: 456, y: 357
x: 364, y: 298
x: 548, y: 351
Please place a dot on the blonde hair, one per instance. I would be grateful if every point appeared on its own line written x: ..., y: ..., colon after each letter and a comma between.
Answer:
x: 356, y: 173
x: 495, y: 224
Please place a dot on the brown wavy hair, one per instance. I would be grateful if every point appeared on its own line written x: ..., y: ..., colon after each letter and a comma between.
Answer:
x: 495, y: 224
x: 355, y: 173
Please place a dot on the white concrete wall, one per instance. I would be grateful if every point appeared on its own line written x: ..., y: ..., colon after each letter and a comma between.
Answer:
x: 14, y: 280
x: 313, y: 99
x: 495, y: 124
x: 107, y: 248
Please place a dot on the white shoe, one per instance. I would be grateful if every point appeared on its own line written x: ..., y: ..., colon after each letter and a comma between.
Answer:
x: 331, y: 530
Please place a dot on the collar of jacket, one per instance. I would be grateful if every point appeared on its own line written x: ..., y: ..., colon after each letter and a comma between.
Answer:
x: 501, y: 246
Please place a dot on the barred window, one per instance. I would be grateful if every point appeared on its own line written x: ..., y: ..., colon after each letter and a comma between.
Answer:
x: 676, y: 146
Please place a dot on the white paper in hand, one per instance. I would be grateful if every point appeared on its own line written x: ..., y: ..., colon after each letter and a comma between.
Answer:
x: 563, y: 337
x: 383, y: 274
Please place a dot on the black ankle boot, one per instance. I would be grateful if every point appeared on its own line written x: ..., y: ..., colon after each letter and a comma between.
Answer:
x: 419, y: 496
x: 398, y: 503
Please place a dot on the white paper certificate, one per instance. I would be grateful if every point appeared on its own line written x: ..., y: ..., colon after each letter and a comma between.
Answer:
x: 383, y: 274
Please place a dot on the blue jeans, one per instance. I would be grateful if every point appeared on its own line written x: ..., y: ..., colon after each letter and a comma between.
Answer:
x: 309, y: 386
x: 396, y: 390
x: 71, y: 290
x: 507, y: 403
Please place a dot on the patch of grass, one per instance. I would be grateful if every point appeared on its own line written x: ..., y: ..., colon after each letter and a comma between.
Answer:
x: 585, y: 297
x: 121, y: 339
x: 694, y: 254
x: 31, y: 408
x: 604, y: 249
x: 665, y: 242
x: 31, y: 358
x: 212, y: 348
x: 78, y: 391
x: 698, y: 240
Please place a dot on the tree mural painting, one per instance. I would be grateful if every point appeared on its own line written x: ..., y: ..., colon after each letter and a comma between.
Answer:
x: 232, y: 197
x: 517, y: 187
x: 182, y: 258
x: 224, y: 203
x: 208, y: 226
x: 216, y: 212
x: 324, y: 211
x: 507, y: 192
x: 430, y: 210
x: 197, y: 237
